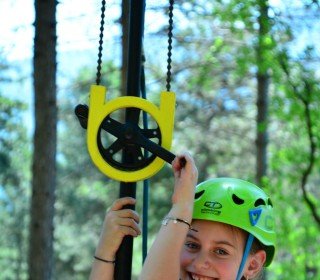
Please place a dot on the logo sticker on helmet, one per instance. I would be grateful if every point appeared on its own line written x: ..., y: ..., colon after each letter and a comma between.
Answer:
x: 212, y: 207
x: 254, y: 215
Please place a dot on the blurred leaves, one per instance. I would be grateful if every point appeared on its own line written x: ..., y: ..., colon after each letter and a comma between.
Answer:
x: 214, y: 72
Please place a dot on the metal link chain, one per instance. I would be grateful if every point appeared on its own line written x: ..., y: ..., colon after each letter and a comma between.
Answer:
x: 169, y: 55
x: 170, y: 35
x: 103, y: 8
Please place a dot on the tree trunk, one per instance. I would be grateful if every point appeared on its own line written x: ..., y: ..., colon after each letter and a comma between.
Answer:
x: 262, y: 93
x: 45, y: 139
x: 263, y: 52
x: 262, y: 125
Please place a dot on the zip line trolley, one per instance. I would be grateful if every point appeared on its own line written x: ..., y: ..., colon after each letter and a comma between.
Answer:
x: 129, y: 136
x: 137, y: 153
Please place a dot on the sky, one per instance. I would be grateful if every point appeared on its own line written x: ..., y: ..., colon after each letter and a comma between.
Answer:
x: 78, y: 30
x: 16, y: 28
x: 78, y: 25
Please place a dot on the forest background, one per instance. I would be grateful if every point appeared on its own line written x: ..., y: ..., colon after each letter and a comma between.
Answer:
x: 247, y: 80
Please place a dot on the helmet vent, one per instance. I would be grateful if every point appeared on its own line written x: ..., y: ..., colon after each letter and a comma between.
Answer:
x: 198, y: 194
x: 237, y: 200
x: 270, y: 202
x: 259, y: 201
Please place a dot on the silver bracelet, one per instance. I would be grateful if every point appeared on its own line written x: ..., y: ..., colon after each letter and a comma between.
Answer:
x: 175, y: 220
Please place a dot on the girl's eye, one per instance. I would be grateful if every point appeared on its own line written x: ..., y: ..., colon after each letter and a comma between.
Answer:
x: 221, y: 252
x: 191, y: 245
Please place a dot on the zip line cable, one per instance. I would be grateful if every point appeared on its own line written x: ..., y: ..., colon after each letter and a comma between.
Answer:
x: 145, y: 205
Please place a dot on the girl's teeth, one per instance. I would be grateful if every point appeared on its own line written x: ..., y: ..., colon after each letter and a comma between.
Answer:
x: 195, y: 277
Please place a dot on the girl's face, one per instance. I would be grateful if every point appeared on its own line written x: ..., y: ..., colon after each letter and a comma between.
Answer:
x: 213, y: 252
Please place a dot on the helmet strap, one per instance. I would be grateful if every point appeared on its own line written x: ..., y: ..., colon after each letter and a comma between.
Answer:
x: 245, y: 255
x: 254, y: 215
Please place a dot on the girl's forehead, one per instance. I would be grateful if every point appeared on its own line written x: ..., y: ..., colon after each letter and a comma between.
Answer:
x: 216, y: 231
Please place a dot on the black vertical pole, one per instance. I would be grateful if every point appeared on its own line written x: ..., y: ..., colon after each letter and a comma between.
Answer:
x: 123, y: 266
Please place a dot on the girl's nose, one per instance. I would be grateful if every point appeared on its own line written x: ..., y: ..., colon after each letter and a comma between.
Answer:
x: 202, y: 261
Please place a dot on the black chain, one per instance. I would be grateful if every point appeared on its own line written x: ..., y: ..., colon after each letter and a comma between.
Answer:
x: 170, y: 35
x: 103, y: 8
x: 169, y: 55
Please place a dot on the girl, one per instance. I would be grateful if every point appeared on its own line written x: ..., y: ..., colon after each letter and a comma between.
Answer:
x: 222, y: 229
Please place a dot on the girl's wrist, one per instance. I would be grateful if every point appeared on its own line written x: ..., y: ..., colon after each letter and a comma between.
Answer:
x: 105, y: 254
x: 182, y: 212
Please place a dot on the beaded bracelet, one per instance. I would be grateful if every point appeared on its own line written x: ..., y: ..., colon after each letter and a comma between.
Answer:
x: 103, y: 260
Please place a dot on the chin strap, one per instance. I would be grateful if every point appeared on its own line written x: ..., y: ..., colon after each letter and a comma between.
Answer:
x: 254, y: 216
x: 245, y: 255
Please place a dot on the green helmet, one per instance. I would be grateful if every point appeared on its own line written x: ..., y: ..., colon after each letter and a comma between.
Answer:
x: 240, y: 204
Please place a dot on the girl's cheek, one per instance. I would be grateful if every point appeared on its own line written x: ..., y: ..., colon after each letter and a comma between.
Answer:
x: 185, y: 258
x: 184, y: 264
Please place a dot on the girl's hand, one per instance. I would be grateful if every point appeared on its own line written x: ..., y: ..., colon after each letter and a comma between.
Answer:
x: 185, y: 181
x: 117, y: 224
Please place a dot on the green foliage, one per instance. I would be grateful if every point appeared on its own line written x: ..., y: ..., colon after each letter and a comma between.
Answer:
x: 83, y: 193
x: 215, y: 116
x: 298, y: 232
x: 214, y: 72
x: 14, y: 190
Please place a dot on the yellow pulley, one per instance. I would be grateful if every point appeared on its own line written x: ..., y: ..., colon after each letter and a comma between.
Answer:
x: 129, y: 135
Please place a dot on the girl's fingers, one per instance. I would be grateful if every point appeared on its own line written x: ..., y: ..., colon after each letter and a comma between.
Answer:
x: 129, y: 223
x: 129, y: 231
x: 182, y: 161
x: 190, y: 165
x: 188, y: 159
x: 123, y: 226
x: 128, y: 213
x: 121, y: 202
